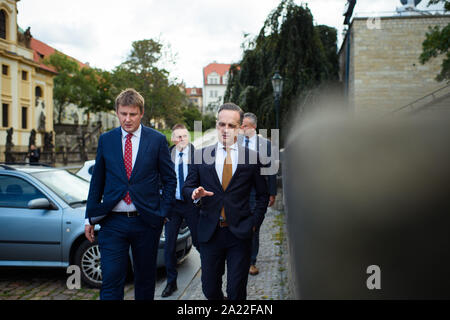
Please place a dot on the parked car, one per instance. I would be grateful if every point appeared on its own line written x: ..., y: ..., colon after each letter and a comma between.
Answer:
x: 86, y: 170
x: 42, y: 221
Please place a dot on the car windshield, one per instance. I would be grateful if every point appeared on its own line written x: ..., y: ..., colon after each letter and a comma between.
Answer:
x: 71, y: 188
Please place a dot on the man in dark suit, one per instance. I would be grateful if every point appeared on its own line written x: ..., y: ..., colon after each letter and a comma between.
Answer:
x: 182, y: 154
x: 251, y: 140
x: 124, y: 198
x: 220, y: 180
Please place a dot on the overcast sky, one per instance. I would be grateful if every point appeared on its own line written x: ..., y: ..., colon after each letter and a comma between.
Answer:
x: 198, y: 31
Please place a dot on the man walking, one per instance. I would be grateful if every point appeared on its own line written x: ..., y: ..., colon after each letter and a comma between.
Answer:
x: 220, y: 180
x: 124, y: 198
x: 264, y: 148
x: 182, y: 155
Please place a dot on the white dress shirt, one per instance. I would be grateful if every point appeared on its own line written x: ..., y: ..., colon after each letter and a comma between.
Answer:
x: 251, y: 143
x: 185, y: 157
x: 221, y: 155
x: 135, y: 139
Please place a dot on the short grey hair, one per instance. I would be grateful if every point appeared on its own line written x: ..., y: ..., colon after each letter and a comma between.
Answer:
x: 252, y: 117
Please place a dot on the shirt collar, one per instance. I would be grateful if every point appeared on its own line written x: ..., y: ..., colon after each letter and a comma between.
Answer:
x: 221, y: 146
x: 184, y: 151
x: 252, y: 139
x: 136, y: 133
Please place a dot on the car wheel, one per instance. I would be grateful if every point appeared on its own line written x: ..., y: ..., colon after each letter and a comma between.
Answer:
x: 87, y: 257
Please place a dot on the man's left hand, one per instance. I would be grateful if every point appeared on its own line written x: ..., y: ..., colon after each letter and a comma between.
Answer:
x: 271, y: 200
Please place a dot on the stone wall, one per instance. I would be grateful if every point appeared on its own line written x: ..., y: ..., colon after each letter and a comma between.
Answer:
x: 385, y: 72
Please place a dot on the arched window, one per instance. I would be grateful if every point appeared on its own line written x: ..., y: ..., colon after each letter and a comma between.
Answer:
x: 3, y: 17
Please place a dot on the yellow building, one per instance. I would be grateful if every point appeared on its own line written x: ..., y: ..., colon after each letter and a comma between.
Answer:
x: 26, y: 85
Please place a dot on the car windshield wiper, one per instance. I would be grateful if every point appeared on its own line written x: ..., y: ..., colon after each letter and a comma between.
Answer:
x: 77, y: 202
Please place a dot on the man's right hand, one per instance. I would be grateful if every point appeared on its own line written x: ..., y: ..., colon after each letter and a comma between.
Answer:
x: 201, y: 192
x: 89, y: 232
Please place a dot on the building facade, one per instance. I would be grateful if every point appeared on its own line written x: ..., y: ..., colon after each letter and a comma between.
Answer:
x: 26, y: 86
x: 195, y: 96
x: 215, y: 80
x: 379, y: 62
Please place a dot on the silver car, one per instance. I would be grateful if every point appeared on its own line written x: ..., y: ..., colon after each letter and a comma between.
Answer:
x: 42, y: 213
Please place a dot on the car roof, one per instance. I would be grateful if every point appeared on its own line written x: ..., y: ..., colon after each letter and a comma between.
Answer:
x: 27, y: 168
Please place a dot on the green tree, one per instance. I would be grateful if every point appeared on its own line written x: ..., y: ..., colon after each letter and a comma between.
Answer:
x: 305, y: 56
x: 163, y: 99
x: 437, y: 43
x: 88, y: 88
x: 191, y: 114
x: 64, y: 83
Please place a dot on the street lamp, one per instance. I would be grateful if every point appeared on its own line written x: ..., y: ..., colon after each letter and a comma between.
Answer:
x: 277, y: 84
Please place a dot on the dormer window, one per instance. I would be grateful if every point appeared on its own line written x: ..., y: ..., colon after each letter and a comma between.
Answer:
x: 213, y: 78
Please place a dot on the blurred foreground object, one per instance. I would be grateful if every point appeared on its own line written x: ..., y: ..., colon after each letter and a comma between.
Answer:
x: 369, y: 192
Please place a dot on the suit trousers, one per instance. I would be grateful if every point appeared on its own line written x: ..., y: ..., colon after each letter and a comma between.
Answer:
x: 255, y: 238
x: 116, y: 235
x: 225, y: 247
x: 179, y: 211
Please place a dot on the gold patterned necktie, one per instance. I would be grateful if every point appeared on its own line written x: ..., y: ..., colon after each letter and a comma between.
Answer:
x: 227, y: 173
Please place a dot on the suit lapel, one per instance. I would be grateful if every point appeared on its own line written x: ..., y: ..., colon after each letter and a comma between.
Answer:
x: 143, y: 145
x: 241, y: 162
x: 117, y: 145
x: 212, y: 167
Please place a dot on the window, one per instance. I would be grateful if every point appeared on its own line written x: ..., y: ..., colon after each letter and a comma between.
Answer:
x: 225, y: 78
x: 3, y: 17
x: 193, y: 91
x: 213, y: 78
x: 16, y: 192
x: 24, y: 75
x: 5, y: 115
x: 38, y: 92
x: 24, y: 117
x: 5, y: 69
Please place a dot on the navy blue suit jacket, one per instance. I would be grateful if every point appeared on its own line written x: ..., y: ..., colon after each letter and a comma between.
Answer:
x: 264, y: 148
x: 235, y: 198
x: 109, y: 182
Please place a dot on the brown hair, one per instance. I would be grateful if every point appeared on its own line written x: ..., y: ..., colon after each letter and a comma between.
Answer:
x: 130, y: 97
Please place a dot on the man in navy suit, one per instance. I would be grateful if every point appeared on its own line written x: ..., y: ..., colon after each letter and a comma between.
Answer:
x: 251, y: 140
x: 220, y: 181
x: 182, y: 155
x: 124, y: 198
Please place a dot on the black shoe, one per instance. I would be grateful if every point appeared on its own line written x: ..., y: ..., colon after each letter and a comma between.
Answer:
x: 170, y: 288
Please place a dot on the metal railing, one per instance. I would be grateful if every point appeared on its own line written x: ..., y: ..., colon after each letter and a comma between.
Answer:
x: 424, y: 101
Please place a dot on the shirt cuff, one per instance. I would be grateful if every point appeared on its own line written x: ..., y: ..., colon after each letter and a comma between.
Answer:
x: 86, y: 222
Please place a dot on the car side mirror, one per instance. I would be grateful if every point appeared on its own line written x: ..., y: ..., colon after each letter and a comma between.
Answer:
x: 40, y: 203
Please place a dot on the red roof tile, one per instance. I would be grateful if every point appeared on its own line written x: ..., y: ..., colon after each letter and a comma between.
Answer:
x: 42, y: 50
x: 219, y: 68
x: 198, y: 91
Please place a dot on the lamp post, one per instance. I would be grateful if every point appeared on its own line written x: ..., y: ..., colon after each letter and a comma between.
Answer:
x: 277, y: 84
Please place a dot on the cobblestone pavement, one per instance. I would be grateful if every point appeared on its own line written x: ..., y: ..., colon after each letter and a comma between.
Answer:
x: 270, y: 283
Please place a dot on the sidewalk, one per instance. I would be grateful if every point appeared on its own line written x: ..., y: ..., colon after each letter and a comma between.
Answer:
x: 271, y: 282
